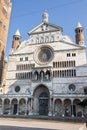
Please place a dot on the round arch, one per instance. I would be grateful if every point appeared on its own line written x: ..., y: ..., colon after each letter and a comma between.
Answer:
x: 14, y: 106
x: 67, y: 106
x: 41, y: 97
x: 40, y: 88
x: 58, y: 107
x: 77, y: 108
x: 6, y: 106
x: 22, y: 106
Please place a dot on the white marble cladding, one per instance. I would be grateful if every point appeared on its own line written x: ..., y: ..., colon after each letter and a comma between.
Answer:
x: 63, y: 49
x: 60, y: 76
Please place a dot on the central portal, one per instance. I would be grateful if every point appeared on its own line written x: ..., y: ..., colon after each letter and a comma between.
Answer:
x: 43, y: 103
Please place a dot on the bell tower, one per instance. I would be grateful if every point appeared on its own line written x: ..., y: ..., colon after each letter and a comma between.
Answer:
x: 79, y: 34
x: 16, y: 40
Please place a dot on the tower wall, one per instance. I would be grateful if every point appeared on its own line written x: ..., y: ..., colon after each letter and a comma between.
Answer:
x: 79, y: 36
x: 5, y: 11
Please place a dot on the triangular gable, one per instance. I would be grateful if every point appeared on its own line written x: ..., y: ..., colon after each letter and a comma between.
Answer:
x: 45, y: 27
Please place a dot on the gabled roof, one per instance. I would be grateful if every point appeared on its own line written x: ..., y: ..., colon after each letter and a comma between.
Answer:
x: 45, y: 27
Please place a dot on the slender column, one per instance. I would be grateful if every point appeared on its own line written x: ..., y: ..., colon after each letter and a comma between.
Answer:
x: 18, y: 108
x: 9, y: 108
x: 63, y: 109
x: 2, y: 112
x: 28, y: 106
x: 31, y: 107
x: 50, y: 108
x: 72, y: 109
x: 53, y: 107
x: 82, y: 112
x: 25, y: 107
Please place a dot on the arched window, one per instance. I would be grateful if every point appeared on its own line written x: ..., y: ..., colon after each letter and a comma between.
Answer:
x: 85, y: 90
x: 74, y: 72
x: 67, y: 64
x: 54, y: 64
x: 36, y: 75
x: 63, y: 73
x: 16, y: 75
x: 58, y: 64
x: 53, y: 73
x: 60, y: 73
x: 74, y: 63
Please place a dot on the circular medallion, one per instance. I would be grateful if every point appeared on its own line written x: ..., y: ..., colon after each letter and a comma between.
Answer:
x: 43, y: 55
x: 72, y: 87
x: 17, y: 89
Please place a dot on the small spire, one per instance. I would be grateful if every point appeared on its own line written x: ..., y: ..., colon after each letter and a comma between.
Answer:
x: 45, y: 17
x: 17, y: 33
x: 79, y: 25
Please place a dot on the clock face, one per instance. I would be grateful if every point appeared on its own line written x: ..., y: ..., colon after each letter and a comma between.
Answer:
x: 44, y: 55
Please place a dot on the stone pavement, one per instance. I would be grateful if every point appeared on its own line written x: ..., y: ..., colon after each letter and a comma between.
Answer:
x: 35, y: 124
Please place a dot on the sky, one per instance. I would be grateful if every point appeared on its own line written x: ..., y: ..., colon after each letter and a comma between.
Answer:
x: 27, y: 14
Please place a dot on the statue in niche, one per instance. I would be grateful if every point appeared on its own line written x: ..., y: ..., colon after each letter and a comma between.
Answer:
x: 47, y: 75
x: 42, y: 75
x: 36, y: 76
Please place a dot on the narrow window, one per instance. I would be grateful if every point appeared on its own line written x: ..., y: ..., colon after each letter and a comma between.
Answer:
x: 21, y: 59
x: 54, y: 64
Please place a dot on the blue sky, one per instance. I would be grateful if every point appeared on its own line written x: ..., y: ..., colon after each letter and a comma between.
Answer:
x: 27, y: 14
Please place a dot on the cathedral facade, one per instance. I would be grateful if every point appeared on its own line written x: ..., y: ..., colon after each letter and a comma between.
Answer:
x: 46, y: 74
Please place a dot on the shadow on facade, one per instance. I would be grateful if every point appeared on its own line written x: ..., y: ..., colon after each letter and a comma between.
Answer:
x: 22, y: 128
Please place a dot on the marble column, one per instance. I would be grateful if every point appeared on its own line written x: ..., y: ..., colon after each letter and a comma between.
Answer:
x: 82, y: 112
x: 9, y: 108
x: 50, y: 107
x: 2, y: 112
x: 18, y: 108
x: 25, y: 107
x: 63, y: 109
x: 72, y: 109
x: 31, y: 107
x: 53, y: 107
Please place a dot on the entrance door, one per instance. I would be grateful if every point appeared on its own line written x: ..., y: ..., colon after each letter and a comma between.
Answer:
x: 15, y: 109
x: 43, y: 103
